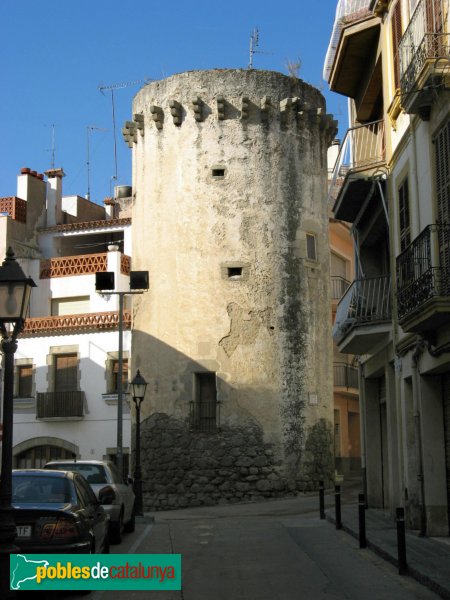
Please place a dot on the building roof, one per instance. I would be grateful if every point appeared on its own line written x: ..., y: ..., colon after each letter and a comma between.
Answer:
x: 87, y: 225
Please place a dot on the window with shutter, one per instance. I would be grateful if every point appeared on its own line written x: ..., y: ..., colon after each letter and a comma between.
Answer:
x: 25, y: 384
x: 396, y: 37
x: 442, y: 161
x: 403, y: 209
x: 66, y: 373
x: 116, y: 375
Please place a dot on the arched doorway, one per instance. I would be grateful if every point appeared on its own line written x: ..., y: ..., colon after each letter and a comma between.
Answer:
x: 34, y: 454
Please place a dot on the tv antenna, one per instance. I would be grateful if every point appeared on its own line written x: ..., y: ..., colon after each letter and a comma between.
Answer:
x: 89, y: 130
x: 53, y: 148
x: 254, y: 43
x: 112, y: 88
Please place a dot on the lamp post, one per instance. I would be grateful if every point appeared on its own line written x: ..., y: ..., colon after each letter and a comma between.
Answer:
x: 15, y: 290
x: 138, y: 387
x: 104, y: 284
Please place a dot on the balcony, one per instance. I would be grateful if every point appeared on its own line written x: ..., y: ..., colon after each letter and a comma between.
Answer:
x: 362, y: 152
x: 363, y: 315
x: 75, y: 323
x: 424, y: 56
x: 423, y: 280
x: 345, y: 376
x: 14, y: 207
x: 339, y: 286
x: 352, y: 47
x: 60, y: 405
x: 86, y: 264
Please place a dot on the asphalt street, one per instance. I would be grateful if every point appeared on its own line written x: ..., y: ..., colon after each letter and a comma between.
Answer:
x: 265, y: 551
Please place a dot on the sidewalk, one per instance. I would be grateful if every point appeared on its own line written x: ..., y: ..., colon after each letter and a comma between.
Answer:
x: 428, y: 559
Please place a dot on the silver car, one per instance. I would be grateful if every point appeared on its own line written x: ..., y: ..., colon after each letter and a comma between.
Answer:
x: 104, y: 475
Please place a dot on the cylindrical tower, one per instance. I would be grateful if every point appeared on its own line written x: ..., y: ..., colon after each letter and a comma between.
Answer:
x: 230, y: 219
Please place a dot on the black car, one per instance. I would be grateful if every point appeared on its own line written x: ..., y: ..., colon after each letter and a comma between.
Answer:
x: 56, y: 511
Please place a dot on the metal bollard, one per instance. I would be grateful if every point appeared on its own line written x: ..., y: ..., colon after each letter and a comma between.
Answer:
x: 401, y: 541
x: 322, y: 499
x: 362, y: 520
x: 337, y: 505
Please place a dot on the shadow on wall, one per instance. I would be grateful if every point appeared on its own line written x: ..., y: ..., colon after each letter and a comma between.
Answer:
x: 206, y: 442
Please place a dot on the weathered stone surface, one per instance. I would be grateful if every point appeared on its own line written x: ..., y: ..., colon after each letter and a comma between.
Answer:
x: 211, y: 196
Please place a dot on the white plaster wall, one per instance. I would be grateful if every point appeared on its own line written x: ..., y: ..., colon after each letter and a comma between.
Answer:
x: 98, y: 429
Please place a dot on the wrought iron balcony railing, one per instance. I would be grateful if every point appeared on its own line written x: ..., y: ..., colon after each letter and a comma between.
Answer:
x: 363, y: 148
x: 423, y: 269
x: 339, y: 286
x: 424, y: 39
x: 51, y: 405
x: 367, y: 301
x: 345, y: 375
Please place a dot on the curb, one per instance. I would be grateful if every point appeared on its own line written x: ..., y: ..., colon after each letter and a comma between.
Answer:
x: 411, y: 571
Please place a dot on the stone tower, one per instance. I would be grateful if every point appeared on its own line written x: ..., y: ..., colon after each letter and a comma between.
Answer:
x: 230, y: 219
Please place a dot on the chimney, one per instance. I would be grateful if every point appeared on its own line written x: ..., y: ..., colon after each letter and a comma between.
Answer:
x: 110, y: 208
x: 54, y: 196
x: 30, y: 185
x: 332, y: 155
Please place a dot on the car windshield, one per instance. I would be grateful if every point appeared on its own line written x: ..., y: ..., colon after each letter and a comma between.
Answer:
x: 92, y: 473
x: 27, y: 489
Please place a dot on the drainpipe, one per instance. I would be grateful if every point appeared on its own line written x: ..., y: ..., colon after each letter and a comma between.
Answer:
x: 418, y: 434
x: 362, y: 427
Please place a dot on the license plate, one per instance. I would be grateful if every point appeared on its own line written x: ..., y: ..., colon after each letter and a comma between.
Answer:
x: 23, y: 530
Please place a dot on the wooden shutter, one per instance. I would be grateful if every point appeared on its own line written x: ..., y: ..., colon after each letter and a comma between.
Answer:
x: 403, y: 210
x: 66, y: 373
x: 442, y: 155
x: 396, y: 37
x: 25, y: 381
x: 116, y: 374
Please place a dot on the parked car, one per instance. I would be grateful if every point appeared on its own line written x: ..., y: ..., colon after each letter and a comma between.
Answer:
x: 57, y: 512
x: 99, y: 474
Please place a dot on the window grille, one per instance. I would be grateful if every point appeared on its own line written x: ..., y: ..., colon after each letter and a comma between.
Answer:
x: 205, y: 407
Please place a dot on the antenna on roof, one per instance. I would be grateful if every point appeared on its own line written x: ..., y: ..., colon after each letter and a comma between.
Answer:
x: 111, y: 88
x: 254, y: 43
x: 53, y: 148
x: 89, y: 130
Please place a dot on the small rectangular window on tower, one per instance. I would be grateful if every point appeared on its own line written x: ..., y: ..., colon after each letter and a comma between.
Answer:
x: 234, y: 272
x: 218, y: 172
x: 311, y: 251
x: 204, y: 406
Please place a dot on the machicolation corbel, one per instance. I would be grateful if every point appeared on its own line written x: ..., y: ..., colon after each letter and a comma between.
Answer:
x: 175, y: 111
x: 157, y: 116
x: 220, y: 108
x: 139, y: 120
x: 197, y: 103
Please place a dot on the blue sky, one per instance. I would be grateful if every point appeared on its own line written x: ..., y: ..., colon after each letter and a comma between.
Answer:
x: 56, y: 53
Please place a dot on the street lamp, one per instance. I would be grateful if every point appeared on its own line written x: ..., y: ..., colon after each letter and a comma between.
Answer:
x: 15, y: 290
x: 104, y: 284
x: 138, y: 386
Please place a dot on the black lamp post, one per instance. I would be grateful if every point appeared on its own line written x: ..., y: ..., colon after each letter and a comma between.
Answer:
x: 138, y: 387
x: 15, y: 290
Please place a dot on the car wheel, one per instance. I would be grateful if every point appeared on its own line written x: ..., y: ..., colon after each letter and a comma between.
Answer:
x: 116, y: 529
x: 131, y: 525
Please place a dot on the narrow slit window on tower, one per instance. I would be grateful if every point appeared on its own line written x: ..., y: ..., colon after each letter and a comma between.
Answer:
x: 311, y: 252
x: 234, y: 272
x: 218, y: 172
